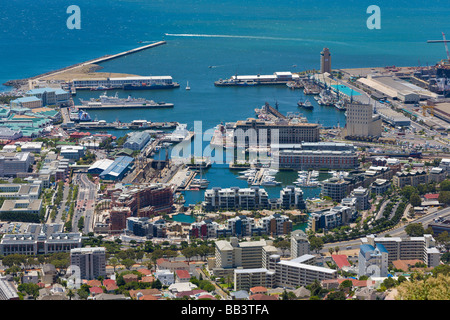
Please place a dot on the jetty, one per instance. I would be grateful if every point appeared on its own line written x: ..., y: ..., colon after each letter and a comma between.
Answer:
x: 83, y: 70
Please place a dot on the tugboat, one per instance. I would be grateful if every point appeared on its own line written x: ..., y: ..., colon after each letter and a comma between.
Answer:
x: 305, y: 104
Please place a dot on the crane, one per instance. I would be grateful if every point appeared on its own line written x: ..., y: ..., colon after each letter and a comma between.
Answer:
x: 445, y: 44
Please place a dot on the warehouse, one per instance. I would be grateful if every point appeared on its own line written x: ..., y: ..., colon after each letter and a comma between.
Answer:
x: 118, y: 169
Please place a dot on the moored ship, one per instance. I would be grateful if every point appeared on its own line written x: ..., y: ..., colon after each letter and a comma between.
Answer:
x: 111, y: 102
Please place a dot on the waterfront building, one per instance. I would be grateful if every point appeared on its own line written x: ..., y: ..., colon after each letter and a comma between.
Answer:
x: 335, y: 188
x: 362, y: 196
x: 292, y: 198
x: 241, y: 226
x: 307, y: 159
x: 276, y: 224
x: 26, y: 102
x: 262, y: 133
x: 13, y: 163
x: 120, y: 82
x: 332, y: 218
x: 325, y: 61
x: 299, y: 244
x: 235, y: 198
x: 204, y: 229
x: 90, y: 261
x: 394, y: 118
x: 137, y: 141
x: 395, y: 88
x: 157, y: 198
x: 361, y: 121
x: 373, y: 261
x: 50, y: 96
x: 408, y: 248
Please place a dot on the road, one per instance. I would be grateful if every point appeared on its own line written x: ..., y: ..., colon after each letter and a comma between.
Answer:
x: 396, y: 232
x: 86, y: 200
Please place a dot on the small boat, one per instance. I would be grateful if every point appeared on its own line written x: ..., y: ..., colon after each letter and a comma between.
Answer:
x: 187, y: 86
x: 305, y: 104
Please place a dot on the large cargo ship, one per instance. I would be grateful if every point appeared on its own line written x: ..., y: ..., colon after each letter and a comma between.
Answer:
x: 112, y: 102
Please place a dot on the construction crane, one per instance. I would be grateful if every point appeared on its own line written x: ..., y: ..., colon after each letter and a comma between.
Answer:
x: 445, y: 44
x: 424, y: 110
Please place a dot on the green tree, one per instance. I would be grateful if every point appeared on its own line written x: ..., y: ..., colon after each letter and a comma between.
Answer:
x: 316, y: 243
x: 128, y: 263
x: 444, y: 197
x: 414, y: 230
x: 445, y: 185
x: 415, y: 200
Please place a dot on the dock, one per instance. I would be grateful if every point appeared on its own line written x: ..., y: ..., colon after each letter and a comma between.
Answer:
x: 124, y: 106
x: 125, y: 126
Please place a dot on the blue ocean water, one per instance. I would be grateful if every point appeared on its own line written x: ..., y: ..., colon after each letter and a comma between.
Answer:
x: 244, y: 37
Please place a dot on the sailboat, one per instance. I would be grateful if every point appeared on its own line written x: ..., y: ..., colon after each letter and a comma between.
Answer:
x: 187, y: 86
x: 200, y: 183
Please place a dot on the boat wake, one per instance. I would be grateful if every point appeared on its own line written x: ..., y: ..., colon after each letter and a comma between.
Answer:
x: 196, y: 35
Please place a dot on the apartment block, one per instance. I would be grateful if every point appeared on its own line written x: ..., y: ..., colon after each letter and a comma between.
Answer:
x: 408, y: 248
x: 90, y: 261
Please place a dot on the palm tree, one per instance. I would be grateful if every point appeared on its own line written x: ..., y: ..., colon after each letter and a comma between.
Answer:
x: 336, y: 249
x: 331, y: 250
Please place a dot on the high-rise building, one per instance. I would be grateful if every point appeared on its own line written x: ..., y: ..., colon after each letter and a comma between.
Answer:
x: 91, y: 261
x: 325, y: 61
x: 361, y: 121
x: 299, y: 244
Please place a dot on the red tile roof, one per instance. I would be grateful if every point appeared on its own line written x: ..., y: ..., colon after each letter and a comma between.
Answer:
x: 145, y: 272
x: 262, y: 297
x: 183, y: 274
x: 108, y: 282
x: 340, y: 260
x: 95, y: 290
x: 94, y: 283
x: 258, y: 290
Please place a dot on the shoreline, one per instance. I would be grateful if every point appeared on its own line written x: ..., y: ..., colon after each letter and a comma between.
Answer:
x: 79, y: 70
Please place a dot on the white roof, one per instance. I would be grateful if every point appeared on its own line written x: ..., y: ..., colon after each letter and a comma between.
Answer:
x: 102, y: 164
x: 292, y: 263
